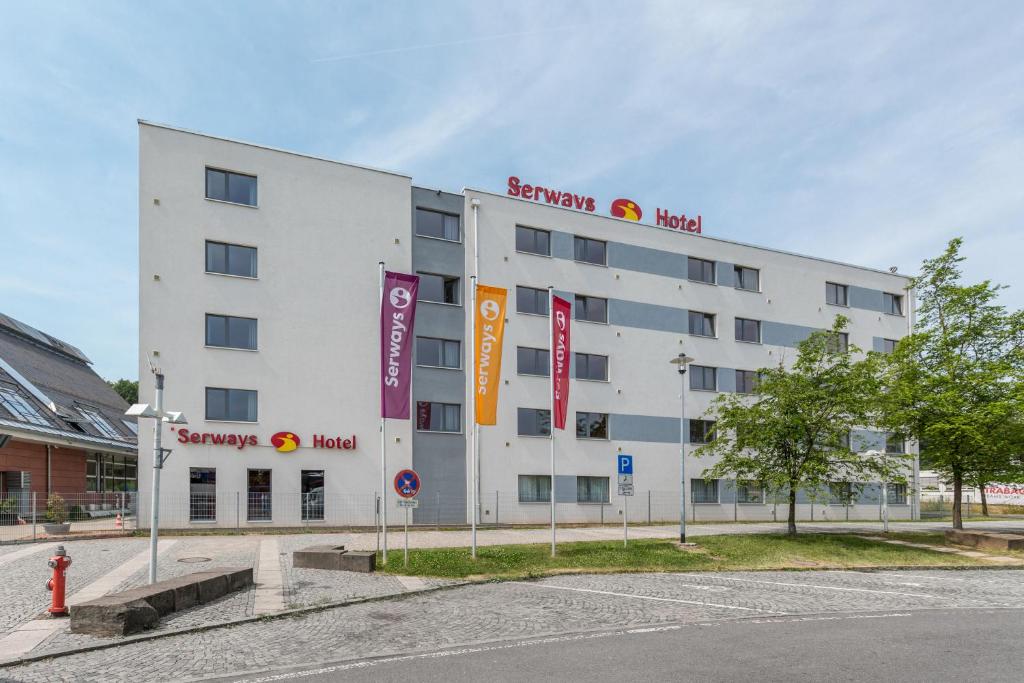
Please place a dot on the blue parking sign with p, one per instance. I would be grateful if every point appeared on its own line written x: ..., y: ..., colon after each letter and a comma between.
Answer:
x: 625, y: 464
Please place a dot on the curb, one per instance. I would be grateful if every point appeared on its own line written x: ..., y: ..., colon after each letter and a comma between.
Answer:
x: 298, y: 611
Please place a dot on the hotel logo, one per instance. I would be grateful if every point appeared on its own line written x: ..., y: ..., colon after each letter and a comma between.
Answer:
x: 285, y: 442
x: 626, y: 208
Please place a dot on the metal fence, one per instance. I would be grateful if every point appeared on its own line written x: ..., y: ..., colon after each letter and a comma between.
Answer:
x: 36, y: 516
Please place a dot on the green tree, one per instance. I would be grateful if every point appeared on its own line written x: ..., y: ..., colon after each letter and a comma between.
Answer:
x: 954, y: 383
x: 128, y: 389
x: 795, y: 431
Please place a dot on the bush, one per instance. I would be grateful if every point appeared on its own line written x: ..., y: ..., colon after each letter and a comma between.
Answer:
x: 56, y: 510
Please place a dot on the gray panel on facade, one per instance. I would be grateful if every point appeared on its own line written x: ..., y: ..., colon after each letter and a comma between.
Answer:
x: 437, y: 384
x: 648, y: 428
x: 565, y: 488
x: 562, y: 245
x: 646, y: 260
x: 868, y: 299
x: 440, y: 460
x: 784, y: 334
x: 647, y: 316
x: 441, y: 321
x: 726, y: 379
x: 437, y: 200
x: 438, y: 256
x: 724, y: 274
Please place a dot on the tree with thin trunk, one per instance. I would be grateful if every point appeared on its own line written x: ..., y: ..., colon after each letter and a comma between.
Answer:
x: 955, y: 382
x: 794, y: 432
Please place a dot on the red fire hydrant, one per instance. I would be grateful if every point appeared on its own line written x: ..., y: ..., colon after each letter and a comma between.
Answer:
x: 58, y: 582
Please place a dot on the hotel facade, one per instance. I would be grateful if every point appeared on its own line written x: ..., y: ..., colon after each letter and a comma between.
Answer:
x: 259, y: 302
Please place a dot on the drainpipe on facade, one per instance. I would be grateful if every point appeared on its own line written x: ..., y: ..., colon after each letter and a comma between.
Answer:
x: 49, y: 470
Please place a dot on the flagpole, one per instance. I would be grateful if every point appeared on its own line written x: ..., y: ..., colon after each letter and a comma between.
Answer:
x: 475, y: 203
x: 551, y: 372
x: 474, y: 432
x: 383, y: 424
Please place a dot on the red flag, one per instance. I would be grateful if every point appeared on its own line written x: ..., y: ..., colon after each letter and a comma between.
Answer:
x: 560, y: 314
x: 397, y: 315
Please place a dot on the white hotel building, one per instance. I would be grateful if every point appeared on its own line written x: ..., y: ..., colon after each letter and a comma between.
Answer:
x: 259, y: 301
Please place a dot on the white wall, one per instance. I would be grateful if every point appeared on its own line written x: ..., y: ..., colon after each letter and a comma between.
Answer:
x: 321, y: 228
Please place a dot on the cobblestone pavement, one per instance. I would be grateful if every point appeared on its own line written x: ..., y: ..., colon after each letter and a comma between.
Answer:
x: 23, y: 597
x: 497, y: 612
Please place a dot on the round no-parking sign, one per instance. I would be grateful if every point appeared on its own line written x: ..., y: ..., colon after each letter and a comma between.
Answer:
x: 407, y: 483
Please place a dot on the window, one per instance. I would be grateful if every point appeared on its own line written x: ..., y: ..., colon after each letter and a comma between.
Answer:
x: 432, y: 416
x: 531, y: 300
x: 748, y: 279
x: 534, y: 488
x: 586, y: 250
x: 702, y: 431
x: 591, y: 308
x: 704, y: 490
x: 749, y: 492
x: 15, y: 404
x: 101, y: 423
x: 702, y: 378
x: 844, y: 441
x: 260, y: 501
x: 591, y: 425
x: 132, y: 427
x: 230, y: 332
x: 202, y: 494
x: 840, y: 493
x: 839, y: 342
x: 534, y: 422
x: 591, y: 489
x: 533, y: 361
x: 748, y: 330
x: 836, y: 294
x: 92, y: 472
x: 438, y: 353
x: 533, y: 241
x: 892, y: 304
x: 312, y: 495
x: 108, y: 473
x: 442, y: 226
x: 746, y: 381
x: 893, y: 444
x: 702, y: 324
x: 230, y: 259
x: 439, y: 289
x: 896, y: 494
x: 592, y: 366
x: 237, y: 405
x: 889, y: 345
x: 700, y: 270
x: 226, y: 186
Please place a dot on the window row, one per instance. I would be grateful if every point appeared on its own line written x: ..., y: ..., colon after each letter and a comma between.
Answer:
x: 591, y: 425
x: 704, y: 491
x: 259, y: 499
x: 590, y: 366
x: 588, y: 250
x: 839, y: 295
x: 106, y: 472
x: 536, y: 488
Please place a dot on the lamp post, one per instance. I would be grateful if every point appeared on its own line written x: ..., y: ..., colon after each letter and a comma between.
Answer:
x: 885, y: 488
x: 160, y: 454
x: 681, y: 361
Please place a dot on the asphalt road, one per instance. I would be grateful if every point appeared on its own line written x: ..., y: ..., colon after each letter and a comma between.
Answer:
x: 934, y: 645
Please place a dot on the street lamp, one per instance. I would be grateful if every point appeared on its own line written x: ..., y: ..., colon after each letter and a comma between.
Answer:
x: 160, y: 454
x: 681, y: 361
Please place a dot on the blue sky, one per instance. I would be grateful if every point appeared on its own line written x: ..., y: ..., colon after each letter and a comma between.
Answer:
x: 867, y: 132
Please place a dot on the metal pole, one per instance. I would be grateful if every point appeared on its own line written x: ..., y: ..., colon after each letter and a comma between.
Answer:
x: 474, y: 432
x: 124, y: 526
x: 33, y: 515
x: 406, y: 537
x: 238, y: 514
x: 648, y: 507
x: 682, y: 455
x: 437, y: 511
x: 551, y: 392
x: 383, y: 431
x: 625, y: 524
x: 475, y: 203
x: 497, y: 509
x: 376, y: 517
x: 158, y: 464
x: 885, y: 507
x: 735, y: 500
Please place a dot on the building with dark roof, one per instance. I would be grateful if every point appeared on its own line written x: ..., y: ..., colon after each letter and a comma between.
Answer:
x: 62, y: 427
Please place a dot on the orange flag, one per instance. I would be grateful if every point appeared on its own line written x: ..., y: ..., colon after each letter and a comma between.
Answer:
x: 490, y: 329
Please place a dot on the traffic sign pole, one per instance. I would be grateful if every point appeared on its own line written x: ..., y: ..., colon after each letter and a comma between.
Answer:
x: 625, y: 524
x: 406, y: 537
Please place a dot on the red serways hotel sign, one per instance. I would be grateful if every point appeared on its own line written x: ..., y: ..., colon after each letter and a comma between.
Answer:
x: 620, y: 208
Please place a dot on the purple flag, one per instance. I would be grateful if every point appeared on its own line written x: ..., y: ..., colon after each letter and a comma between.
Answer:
x: 397, y: 314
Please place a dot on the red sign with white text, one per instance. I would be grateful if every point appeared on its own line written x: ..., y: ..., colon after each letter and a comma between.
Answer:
x: 561, y: 312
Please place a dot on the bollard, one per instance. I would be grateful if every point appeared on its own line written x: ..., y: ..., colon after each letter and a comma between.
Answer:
x: 57, y: 584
